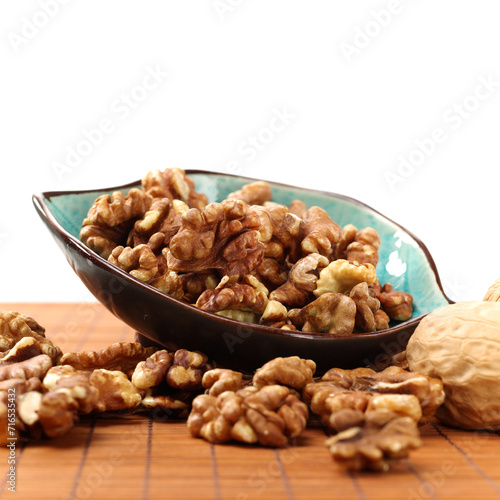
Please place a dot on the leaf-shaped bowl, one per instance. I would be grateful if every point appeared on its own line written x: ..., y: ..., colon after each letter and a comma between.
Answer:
x: 404, y: 262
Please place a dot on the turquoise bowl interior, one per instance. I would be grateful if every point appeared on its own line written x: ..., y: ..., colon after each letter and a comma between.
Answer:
x: 404, y: 261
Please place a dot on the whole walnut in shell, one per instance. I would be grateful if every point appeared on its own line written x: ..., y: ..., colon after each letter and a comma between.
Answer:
x: 460, y: 344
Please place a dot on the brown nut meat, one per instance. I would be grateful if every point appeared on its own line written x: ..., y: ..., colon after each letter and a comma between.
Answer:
x: 116, y: 392
x: 25, y: 348
x: 194, y: 284
x: 158, y: 226
x: 110, y: 219
x: 291, y: 371
x: 332, y: 313
x: 381, y: 320
x: 375, y: 445
x: 153, y: 370
x: 337, y: 408
x: 174, y: 404
x: 285, y: 230
x: 57, y: 413
x: 140, y: 261
x: 148, y: 226
x: 169, y: 283
x: 340, y: 276
x: 228, y: 294
x: 75, y: 383
x: 15, y: 326
x: 32, y: 367
x: 21, y: 385
x: 298, y: 208
x: 393, y: 380
x: 238, y: 315
x: 173, y: 183
x: 224, y: 236
x: 272, y: 272
x: 219, y: 380
x: 397, y: 305
x: 275, y: 314
x: 298, y: 289
x: 319, y: 232
x: 366, y: 306
x: 12, y: 393
x: 255, y: 193
x: 187, y: 370
x: 269, y: 416
x: 347, y: 236
x: 364, y: 248
x: 122, y: 356
x: 27, y: 413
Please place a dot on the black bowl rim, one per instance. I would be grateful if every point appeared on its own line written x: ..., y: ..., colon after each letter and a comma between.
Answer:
x: 39, y: 200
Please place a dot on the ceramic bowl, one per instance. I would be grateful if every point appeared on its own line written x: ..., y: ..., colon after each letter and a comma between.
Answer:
x: 404, y: 262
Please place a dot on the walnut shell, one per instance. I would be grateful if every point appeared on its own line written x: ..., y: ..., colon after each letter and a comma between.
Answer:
x: 460, y: 344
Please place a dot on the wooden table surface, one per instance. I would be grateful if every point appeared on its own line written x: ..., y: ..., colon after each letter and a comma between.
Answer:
x: 142, y: 458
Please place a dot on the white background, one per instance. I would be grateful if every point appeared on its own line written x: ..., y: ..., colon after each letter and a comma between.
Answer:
x: 359, y: 103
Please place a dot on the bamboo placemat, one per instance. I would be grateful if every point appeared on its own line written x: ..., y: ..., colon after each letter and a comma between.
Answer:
x: 145, y: 457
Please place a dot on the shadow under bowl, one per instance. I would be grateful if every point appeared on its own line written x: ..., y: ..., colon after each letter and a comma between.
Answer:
x: 404, y: 262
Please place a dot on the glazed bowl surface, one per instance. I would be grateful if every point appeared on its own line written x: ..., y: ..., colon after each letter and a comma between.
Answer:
x: 404, y: 262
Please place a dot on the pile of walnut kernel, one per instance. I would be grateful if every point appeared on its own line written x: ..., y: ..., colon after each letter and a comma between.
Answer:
x: 247, y: 257
x: 52, y: 390
x: 372, y: 417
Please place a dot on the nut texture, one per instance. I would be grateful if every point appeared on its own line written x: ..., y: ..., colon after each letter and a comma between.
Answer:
x: 110, y: 219
x: 366, y: 306
x: 301, y: 282
x: 219, y: 380
x: 32, y: 367
x: 292, y: 372
x: 376, y: 444
x: 140, y: 261
x: 116, y: 392
x: 269, y: 416
x: 153, y: 370
x: 340, y: 276
x: 15, y: 326
x: 255, y: 193
x: 460, y: 345
x: 224, y: 236
x: 174, y: 184
x: 332, y: 313
x: 234, y: 295
x: 122, y: 356
x: 187, y: 370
